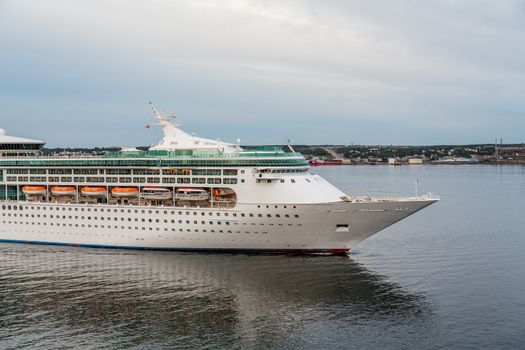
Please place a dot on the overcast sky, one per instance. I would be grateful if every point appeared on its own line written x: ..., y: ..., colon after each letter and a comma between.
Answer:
x: 81, y: 73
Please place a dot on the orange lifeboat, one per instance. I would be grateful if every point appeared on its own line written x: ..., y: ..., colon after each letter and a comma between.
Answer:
x: 125, y: 191
x: 63, y: 191
x: 34, y: 190
x: 93, y: 191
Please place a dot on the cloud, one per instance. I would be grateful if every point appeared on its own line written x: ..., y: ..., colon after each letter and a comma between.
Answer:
x: 443, y: 66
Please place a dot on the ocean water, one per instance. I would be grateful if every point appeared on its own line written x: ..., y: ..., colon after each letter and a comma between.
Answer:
x: 450, y: 276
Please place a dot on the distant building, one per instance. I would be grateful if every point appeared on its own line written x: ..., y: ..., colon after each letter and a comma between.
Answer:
x: 414, y: 161
x: 394, y: 161
x: 510, y: 151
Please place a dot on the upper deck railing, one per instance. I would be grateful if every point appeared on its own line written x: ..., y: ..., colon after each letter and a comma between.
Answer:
x: 265, y: 152
x: 249, y: 156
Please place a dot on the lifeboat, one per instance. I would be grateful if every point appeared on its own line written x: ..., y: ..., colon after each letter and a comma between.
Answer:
x: 155, y: 193
x: 34, y: 190
x: 125, y: 192
x: 219, y: 192
x: 64, y: 191
x: 223, y: 195
x: 94, y: 191
x: 191, y: 194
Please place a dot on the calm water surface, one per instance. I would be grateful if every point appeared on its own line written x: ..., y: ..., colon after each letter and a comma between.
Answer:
x: 451, y: 276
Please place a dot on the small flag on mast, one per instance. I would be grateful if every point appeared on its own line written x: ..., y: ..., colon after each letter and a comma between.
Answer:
x: 147, y: 126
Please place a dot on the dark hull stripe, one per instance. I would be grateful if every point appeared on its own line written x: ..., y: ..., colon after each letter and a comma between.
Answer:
x: 337, y: 251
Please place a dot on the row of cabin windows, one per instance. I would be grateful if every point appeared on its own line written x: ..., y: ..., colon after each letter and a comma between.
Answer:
x: 186, y: 172
x: 195, y: 180
x: 291, y: 180
x: 188, y: 222
x: 143, y: 211
x: 136, y: 211
x: 103, y: 218
x: 251, y: 215
x: 129, y: 228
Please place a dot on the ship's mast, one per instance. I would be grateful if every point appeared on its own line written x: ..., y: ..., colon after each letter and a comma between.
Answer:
x: 161, y: 116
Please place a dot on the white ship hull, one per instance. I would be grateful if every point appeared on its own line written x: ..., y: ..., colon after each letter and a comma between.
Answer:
x: 314, y: 228
x: 214, y: 196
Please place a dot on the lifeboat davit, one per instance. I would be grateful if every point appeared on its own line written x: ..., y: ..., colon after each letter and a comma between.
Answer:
x: 125, y: 192
x: 34, y: 190
x: 94, y: 191
x: 155, y: 193
x: 64, y: 191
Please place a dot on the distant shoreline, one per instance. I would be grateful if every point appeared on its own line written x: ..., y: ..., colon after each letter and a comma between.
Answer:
x: 379, y: 154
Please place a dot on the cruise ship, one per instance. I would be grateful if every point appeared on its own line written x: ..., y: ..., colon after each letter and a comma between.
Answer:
x: 186, y: 193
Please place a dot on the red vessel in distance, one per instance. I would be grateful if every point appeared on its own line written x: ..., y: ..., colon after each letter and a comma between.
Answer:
x: 314, y: 162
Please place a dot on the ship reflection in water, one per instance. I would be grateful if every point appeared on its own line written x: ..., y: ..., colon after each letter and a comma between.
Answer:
x: 54, y: 297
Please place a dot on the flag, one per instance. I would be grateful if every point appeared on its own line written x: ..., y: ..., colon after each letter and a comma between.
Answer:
x: 147, y: 126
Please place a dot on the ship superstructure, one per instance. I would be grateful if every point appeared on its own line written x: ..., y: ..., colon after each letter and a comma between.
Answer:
x: 186, y: 193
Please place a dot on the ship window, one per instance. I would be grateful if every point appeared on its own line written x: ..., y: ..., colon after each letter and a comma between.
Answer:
x: 292, y: 180
x: 296, y: 215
